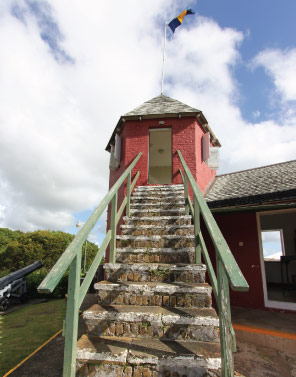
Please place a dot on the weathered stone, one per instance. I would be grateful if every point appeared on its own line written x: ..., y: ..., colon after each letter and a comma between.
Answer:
x: 128, y: 371
x: 145, y: 300
x: 137, y: 372
x: 157, y: 233
x: 180, y: 301
x: 165, y: 300
x: 173, y: 301
x: 119, y: 329
x: 146, y: 372
x: 133, y: 300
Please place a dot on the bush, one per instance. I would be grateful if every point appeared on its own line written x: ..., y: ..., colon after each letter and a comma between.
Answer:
x: 20, y: 249
x: 44, y: 245
x: 36, y: 277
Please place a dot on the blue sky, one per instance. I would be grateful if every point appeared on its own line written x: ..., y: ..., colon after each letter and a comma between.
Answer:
x: 265, y: 24
x: 67, y: 74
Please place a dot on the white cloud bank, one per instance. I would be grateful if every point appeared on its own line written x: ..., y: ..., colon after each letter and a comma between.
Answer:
x: 69, y: 70
x: 281, y: 66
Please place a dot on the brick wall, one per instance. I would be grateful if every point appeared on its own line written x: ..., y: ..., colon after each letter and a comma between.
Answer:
x: 186, y: 137
x: 242, y: 227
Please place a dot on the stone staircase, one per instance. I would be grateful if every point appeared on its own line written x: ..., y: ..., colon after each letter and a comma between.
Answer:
x: 154, y: 314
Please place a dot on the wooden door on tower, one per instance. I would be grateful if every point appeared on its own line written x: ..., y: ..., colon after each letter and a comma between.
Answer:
x: 160, y: 156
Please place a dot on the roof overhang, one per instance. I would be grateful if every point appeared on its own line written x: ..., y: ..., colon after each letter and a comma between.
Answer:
x: 198, y: 114
x: 267, y: 201
x: 256, y: 207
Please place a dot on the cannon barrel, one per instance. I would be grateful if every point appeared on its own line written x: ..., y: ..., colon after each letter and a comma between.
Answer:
x: 19, y: 274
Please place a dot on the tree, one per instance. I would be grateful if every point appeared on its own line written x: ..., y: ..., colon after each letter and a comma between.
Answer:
x: 47, y: 246
x: 21, y: 249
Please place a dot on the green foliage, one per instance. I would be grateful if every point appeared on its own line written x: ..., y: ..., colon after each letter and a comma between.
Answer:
x: 20, y: 249
x: 44, y: 245
x: 36, y: 277
x: 6, y: 236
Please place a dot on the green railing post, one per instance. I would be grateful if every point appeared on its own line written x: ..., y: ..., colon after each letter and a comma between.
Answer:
x: 113, y: 228
x: 197, y: 231
x: 186, y: 194
x: 226, y: 340
x: 72, y: 314
x: 128, y: 194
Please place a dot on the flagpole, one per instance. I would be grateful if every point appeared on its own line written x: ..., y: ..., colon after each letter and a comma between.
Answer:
x: 163, y: 57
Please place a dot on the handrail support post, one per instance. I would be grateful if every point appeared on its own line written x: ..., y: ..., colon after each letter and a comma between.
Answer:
x: 128, y: 194
x: 72, y: 313
x: 196, y: 219
x: 113, y: 228
x: 226, y: 335
x: 186, y: 194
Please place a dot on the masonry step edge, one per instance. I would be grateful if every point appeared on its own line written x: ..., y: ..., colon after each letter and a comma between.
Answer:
x: 169, y: 354
x: 128, y: 313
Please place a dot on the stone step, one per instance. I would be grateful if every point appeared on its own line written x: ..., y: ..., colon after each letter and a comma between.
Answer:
x: 157, y: 220
x: 128, y: 357
x: 162, y: 241
x: 155, y: 255
x: 156, y: 199
x: 159, y: 195
x: 150, y: 212
x: 146, y: 230
x: 153, y: 322
x: 159, y: 205
x: 159, y: 188
x: 154, y: 294
x: 142, y: 272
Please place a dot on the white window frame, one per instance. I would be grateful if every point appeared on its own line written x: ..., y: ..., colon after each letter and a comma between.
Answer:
x: 270, y: 303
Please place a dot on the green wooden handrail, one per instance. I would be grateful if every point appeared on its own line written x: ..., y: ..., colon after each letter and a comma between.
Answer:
x: 71, y: 258
x: 227, y: 270
x: 235, y: 276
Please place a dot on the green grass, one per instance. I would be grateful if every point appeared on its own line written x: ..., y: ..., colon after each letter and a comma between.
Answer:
x: 24, y: 330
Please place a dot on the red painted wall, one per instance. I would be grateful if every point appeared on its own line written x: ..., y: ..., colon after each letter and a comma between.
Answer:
x: 186, y: 134
x: 186, y: 137
x: 242, y: 227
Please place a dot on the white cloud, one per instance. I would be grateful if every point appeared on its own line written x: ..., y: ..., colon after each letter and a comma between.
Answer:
x: 256, y: 114
x: 281, y: 67
x: 56, y: 115
x: 271, y: 236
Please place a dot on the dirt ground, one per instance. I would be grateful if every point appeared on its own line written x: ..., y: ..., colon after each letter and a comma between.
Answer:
x: 256, y: 361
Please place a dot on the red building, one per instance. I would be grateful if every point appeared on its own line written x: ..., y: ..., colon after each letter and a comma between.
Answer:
x: 251, y: 207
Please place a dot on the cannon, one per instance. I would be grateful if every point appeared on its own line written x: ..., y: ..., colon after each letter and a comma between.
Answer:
x: 14, y: 284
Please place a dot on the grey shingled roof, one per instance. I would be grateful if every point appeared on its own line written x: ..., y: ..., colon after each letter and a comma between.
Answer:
x: 162, y: 107
x: 267, y: 183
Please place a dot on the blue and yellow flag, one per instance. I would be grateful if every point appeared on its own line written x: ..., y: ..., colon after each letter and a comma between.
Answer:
x: 178, y: 20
